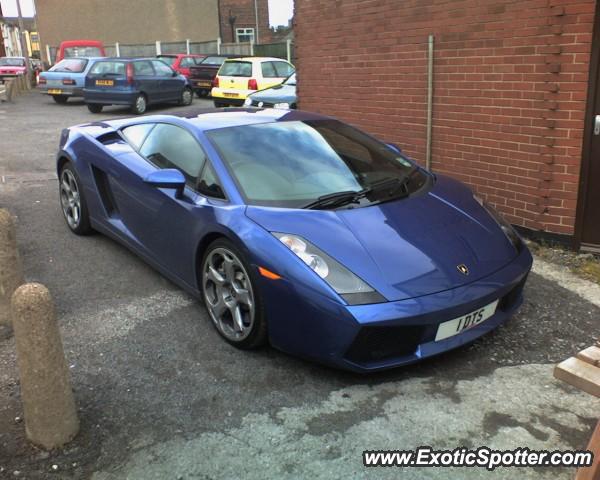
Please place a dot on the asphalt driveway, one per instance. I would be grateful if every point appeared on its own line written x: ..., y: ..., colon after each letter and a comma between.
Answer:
x: 161, y: 396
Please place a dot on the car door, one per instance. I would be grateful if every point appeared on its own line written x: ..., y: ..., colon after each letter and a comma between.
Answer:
x: 170, y: 86
x: 160, y: 221
x: 269, y: 76
x: 185, y: 64
x: 146, y: 79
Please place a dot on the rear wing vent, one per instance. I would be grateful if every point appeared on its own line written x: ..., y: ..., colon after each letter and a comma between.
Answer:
x: 110, y: 138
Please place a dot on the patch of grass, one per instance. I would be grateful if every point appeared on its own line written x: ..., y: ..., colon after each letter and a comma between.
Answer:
x: 589, y: 269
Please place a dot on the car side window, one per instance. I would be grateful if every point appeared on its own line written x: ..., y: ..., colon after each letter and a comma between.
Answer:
x: 283, y: 69
x: 268, y: 70
x: 168, y: 146
x: 162, y: 69
x: 208, y: 184
x: 143, y: 68
x: 187, y: 62
x: 136, y: 134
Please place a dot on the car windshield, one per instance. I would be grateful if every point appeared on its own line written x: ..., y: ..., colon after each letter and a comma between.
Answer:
x: 81, y: 51
x: 213, y: 61
x: 291, y: 80
x: 236, y: 69
x: 75, y: 65
x: 168, y: 59
x: 108, y: 68
x: 12, y: 62
x: 291, y: 164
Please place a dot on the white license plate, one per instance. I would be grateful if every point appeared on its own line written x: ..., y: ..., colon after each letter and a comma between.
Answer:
x: 460, y: 324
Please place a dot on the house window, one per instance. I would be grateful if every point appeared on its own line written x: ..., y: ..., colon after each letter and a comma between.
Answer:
x: 244, y: 35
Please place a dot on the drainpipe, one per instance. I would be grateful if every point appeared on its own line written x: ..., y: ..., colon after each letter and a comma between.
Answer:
x: 429, y: 102
x: 256, y: 40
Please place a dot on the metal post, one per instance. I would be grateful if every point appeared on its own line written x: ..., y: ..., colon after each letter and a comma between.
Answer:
x: 24, y: 50
x: 50, y: 60
x: 251, y: 47
x: 187, y: 46
x: 117, y: 49
x: 158, y: 49
x: 289, y: 49
x: 219, y: 45
x: 429, y: 102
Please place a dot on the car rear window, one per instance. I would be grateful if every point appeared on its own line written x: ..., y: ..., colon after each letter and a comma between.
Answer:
x: 168, y: 59
x: 75, y: 65
x: 213, y: 61
x: 108, y: 68
x: 236, y: 69
x: 83, y: 52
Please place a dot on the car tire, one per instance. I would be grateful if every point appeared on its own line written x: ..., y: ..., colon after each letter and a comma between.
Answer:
x: 60, y: 99
x: 94, y: 107
x: 202, y: 93
x: 140, y: 104
x: 187, y: 97
x: 231, y: 295
x: 72, y: 201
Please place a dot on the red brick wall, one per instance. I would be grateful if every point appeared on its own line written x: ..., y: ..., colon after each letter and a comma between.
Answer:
x: 510, y: 89
x: 245, y: 15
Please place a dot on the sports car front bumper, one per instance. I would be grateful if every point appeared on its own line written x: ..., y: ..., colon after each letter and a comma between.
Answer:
x: 366, y: 338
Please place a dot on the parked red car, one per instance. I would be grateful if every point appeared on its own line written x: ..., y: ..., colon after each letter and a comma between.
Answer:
x: 80, y: 48
x: 12, y: 66
x: 181, y: 62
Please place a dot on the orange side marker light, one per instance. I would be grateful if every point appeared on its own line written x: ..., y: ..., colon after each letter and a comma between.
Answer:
x: 268, y: 274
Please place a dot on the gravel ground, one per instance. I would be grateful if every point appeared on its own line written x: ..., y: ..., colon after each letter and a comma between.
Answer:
x: 161, y: 396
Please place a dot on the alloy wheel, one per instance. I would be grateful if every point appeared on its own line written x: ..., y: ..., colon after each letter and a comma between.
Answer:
x: 187, y: 97
x: 70, y: 198
x: 228, y: 294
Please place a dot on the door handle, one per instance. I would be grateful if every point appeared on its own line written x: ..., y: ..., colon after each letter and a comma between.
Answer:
x: 597, y: 125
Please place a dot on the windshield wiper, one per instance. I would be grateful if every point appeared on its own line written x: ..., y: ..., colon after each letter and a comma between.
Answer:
x: 337, y: 199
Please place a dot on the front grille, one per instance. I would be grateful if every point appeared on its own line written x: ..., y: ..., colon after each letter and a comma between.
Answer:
x: 380, y: 343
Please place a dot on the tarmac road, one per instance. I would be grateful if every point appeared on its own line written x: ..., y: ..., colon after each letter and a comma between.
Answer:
x: 161, y: 396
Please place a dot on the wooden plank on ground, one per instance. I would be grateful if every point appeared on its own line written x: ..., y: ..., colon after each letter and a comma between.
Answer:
x: 580, y: 374
x: 593, y: 472
x: 590, y: 355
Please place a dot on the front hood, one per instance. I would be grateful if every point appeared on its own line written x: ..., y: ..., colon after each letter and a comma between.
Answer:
x: 277, y: 94
x: 405, y: 248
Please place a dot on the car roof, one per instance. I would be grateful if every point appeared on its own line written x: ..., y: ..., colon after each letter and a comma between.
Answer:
x: 81, y: 43
x: 257, y: 59
x: 205, y: 119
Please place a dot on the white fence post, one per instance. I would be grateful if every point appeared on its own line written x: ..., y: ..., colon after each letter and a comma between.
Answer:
x: 288, y: 44
x: 50, y: 62
x: 251, y: 47
x: 187, y: 46
x: 158, y: 50
x: 117, y: 49
x: 219, y: 45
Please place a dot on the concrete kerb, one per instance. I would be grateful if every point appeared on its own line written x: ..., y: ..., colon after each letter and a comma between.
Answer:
x: 11, y: 269
x: 49, y: 407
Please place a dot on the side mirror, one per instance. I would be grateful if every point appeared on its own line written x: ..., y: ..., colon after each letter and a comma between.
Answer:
x: 167, y: 178
x: 393, y: 146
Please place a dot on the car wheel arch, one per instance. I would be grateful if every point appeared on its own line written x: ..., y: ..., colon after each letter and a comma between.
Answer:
x: 209, y: 238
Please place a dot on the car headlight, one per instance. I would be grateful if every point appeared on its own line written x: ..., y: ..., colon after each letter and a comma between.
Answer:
x: 247, y: 102
x: 351, y: 288
x: 285, y: 106
x: 506, y: 227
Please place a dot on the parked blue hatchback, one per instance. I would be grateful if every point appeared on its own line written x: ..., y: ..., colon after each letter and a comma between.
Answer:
x: 136, y: 82
x: 66, y: 79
